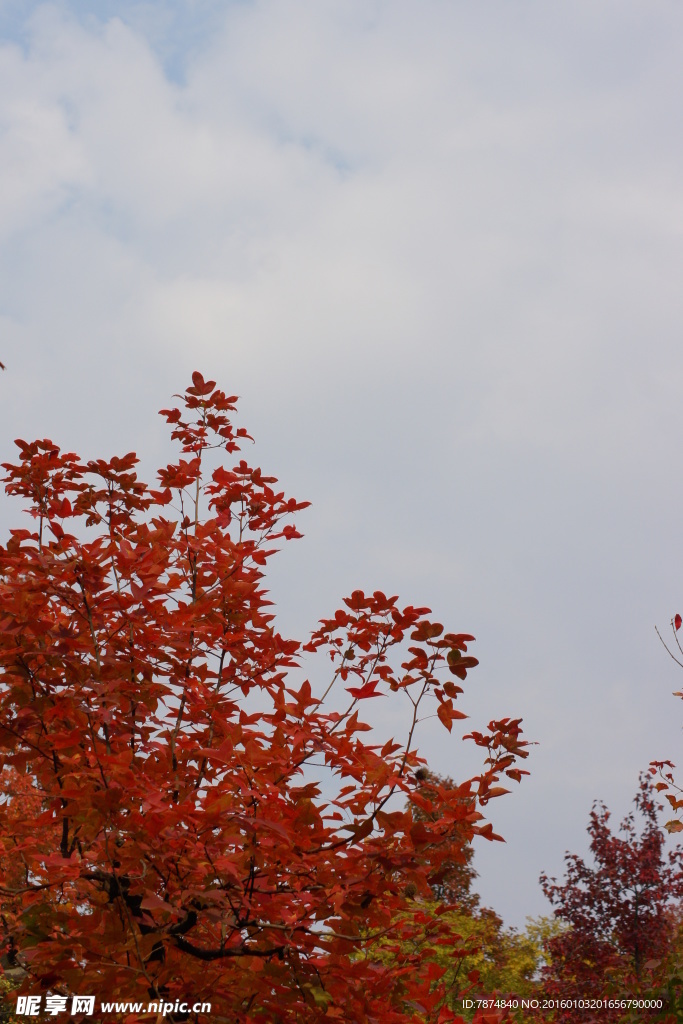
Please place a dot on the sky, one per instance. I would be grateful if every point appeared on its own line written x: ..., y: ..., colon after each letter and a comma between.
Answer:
x: 435, y: 247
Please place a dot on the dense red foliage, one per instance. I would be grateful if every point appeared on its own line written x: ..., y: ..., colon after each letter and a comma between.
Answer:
x: 618, y: 912
x: 167, y: 831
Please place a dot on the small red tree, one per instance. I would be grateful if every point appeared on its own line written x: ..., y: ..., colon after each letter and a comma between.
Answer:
x: 174, y: 837
x: 618, y: 912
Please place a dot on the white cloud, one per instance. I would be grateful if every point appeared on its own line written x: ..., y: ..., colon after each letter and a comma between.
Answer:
x: 41, y: 160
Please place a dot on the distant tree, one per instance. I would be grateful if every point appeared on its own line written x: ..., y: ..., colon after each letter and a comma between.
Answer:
x: 452, y: 882
x: 618, y: 912
x: 165, y: 831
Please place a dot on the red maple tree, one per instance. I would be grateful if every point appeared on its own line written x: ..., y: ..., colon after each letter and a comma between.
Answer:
x: 619, y: 913
x: 167, y: 831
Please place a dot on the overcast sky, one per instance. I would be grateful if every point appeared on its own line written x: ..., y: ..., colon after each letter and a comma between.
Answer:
x: 436, y: 249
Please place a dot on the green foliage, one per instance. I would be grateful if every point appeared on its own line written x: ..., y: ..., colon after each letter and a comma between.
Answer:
x: 7, y: 1001
x: 498, y: 960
